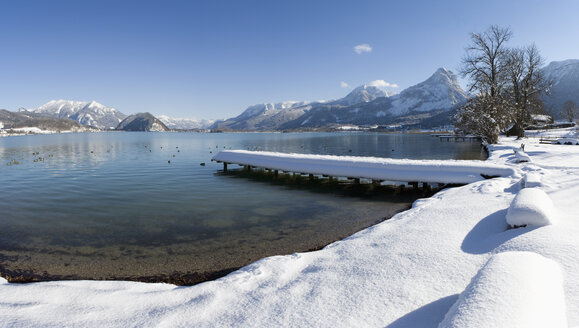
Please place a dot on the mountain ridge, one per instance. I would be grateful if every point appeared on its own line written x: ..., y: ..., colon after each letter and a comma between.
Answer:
x: 363, y: 105
x: 88, y: 113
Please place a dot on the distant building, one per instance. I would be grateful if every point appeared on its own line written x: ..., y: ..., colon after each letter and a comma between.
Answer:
x: 540, y: 119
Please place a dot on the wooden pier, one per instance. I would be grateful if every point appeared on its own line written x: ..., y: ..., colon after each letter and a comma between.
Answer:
x: 455, y: 137
x: 367, y: 168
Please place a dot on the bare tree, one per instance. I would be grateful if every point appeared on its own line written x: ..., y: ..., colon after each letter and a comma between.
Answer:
x: 569, y: 110
x: 484, y: 64
x: 484, y: 61
x: 525, y: 87
x: 507, y: 85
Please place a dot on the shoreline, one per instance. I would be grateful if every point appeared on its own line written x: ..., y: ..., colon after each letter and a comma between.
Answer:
x: 406, y: 271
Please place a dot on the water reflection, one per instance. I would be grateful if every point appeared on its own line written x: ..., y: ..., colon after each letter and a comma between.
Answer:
x: 140, y: 205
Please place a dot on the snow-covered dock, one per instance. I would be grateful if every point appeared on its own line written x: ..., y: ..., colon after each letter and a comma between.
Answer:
x: 378, y: 169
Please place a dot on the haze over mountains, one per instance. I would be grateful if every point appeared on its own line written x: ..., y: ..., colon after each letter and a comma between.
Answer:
x: 428, y: 104
x: 184, y: 123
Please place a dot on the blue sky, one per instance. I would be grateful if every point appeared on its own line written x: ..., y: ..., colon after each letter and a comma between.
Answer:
x: 212, y: 59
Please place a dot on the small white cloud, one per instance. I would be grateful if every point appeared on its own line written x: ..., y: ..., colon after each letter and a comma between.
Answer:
x: 344, y: 84
x: 383, y: 84
x: 359, y: 49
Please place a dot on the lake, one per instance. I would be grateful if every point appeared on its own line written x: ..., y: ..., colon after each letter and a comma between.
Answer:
x: 142, y: 206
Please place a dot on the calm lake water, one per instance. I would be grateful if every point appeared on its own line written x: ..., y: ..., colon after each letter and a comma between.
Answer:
x: 141, y: 206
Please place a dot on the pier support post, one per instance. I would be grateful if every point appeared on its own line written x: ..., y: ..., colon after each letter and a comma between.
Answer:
x: 224, y: 167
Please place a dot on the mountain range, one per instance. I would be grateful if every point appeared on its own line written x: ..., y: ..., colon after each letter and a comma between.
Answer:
x: 427, y: 104
x: 86, y: 113
x: 99, y: 116
x: 184, y: 123
x: 365, y: 105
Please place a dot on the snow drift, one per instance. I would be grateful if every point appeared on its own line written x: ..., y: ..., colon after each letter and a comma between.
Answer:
x: 514, y: 289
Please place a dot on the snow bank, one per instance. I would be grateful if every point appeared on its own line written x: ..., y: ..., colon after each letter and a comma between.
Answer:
x: 532, y: 179
x: 514, y: 289
x: 568, y: 141
x: 531, y: 206
x: 435, y: 171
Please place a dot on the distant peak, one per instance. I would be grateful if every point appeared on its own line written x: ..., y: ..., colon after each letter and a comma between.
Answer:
x: 362, y: 94
x: 367, y: 86
x: 443, y: 71
x: 94, y: 104
x: 443, y: 75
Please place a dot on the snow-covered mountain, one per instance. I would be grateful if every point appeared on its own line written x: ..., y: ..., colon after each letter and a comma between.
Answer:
x: 362, y: 94
x: 439, y: 91
x: 268, y: 116
x: 184, y: 123
x: 565, y: 78
x: 437, y: 95
x: 32, y: 121
x: 365, y: 104
x: 271, y: 116
x: 87, y: 113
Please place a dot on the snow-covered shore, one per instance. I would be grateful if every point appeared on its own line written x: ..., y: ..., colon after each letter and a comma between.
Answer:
x: 411, y: 271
